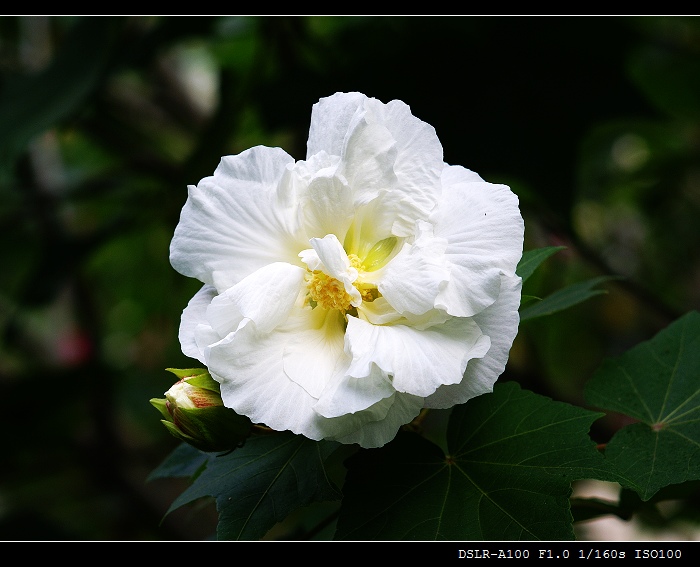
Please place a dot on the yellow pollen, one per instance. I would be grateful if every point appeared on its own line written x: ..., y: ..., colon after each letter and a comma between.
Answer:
x: 328, y: 292
x: 355, y: 262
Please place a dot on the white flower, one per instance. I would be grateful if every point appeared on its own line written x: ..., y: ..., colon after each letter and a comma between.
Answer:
x: 344, y: 293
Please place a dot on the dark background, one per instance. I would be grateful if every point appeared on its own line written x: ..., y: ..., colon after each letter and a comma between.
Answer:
x: 104, y: 121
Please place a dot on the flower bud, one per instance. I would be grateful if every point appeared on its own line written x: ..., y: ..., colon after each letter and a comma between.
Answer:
x: 194, y: 412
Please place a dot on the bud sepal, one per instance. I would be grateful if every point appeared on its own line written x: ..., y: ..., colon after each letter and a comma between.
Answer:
x: 194, y: 412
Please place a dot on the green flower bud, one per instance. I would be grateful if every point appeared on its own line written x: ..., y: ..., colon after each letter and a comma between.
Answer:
x: 194, y: 412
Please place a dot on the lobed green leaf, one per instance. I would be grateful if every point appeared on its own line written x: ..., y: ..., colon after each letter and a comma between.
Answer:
x: 184, y: 462
x: 512, y: 457
x: 261, y: 483
x: 657, y: 383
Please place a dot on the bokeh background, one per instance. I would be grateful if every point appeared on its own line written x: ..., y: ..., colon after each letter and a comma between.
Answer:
x: 593, y: 121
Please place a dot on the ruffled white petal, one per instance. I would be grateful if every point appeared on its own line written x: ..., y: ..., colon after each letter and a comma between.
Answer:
x: 378, y: 312
x: 234, y: 222
x: 417, y: 167
x: 250, y: 368
x: 452, y: 174
x: 330, y: 122
x: 387, y: 154
x: 314, y: 349
x: 368, y: 157
x: 266, y: 297
x: 326, y: 201
x: 402, y: 409
x: 484, y: 231
x: 412, y: 280
x: 249, y: 373
x: 195, y: 332
x: 418, y: 361
x: 348, y: 394
x: 500, y: 323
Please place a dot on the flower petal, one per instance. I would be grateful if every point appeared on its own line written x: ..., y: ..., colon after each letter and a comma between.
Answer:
x: 401, y: 409
x: 235, y: 222
x: 417, y: 167
x: 414, y: 277
x: 330, y: 122
x: 419, y: 361
x: 348, y: 394
x: 195, y: 332
x: 249, y: 376
x: 266, y: 297
x: 499, y: 322
x: 325, y: 197
x: 248, y: 366
x: 378, y: 312
x: 386, y: 152
x: 314, y: 349
x: 368, y: 158
x: 484, y: 231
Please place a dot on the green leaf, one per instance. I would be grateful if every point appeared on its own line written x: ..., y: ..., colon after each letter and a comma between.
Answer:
x: 531, y: 260
x: 656, y: 382
x: 184, y: 462
x: 512, y: 457
x: 565, y: 298
x: 525, y: 299
x: 261, y: 483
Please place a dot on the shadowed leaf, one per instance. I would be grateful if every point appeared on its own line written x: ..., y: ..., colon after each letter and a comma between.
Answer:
x: 565, y: 298
x: 658, y: 383
x: 533, y: 258
x: 183, y: 462
x: 513, y: 456
x: 261, y: 483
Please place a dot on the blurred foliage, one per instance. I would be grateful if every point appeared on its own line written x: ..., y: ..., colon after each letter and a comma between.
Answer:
x: 593, y: 121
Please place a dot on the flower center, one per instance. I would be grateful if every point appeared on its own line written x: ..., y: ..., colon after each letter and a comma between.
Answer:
x: 327, y: 292
x: 330, y: 293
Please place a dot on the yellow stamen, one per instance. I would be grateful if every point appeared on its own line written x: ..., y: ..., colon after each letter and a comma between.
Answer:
x: 330, y: 293
x: 355, y: 262
x: 327, y: 292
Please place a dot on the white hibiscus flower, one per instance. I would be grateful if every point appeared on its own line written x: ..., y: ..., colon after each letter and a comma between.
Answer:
x: 344, y: 293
